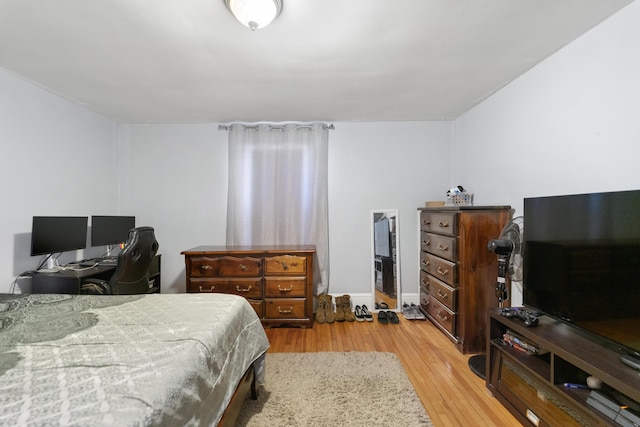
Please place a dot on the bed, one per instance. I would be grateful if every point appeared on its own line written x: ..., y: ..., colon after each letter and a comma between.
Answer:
x: 126, y: 360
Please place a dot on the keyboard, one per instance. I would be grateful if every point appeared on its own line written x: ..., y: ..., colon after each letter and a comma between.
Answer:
x: 103, y: 262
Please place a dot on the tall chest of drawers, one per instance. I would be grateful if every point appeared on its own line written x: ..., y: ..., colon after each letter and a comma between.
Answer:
x: 276, y: 280
x: 458, y: 272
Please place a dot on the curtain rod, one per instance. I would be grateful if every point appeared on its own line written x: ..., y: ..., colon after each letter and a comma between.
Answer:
x: 273, y: 125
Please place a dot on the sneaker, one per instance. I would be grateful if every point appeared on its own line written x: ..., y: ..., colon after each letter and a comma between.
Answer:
x: 418, y: 314
x: 367, y: 314
x: 407, y: 312
x: 359, y: 314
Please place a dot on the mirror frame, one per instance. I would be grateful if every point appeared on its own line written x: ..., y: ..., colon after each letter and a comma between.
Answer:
x: 391, y: 213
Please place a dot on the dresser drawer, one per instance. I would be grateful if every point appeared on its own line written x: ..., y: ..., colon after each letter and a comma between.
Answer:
x: 425, y: 281
x: 227, y: 266
x: 258, y: 306
x: 439, y: 222
x: 285, y: 287
x: 442, y: 246
x: 424, y: 298
x: 286, y: 264
x: 440, y: 268
x: 285, y: 308
x: 443, y: 293
x: 246, y: 287
x: 441, y: 315
x: 203, y: 266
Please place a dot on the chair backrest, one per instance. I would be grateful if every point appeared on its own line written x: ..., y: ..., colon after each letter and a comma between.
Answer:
x: 132, y: 272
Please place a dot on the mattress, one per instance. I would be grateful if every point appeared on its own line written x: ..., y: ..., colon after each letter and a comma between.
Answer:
x: 125, y: 360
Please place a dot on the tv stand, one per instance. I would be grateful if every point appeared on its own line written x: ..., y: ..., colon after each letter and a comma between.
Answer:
x: 532, y: 385
x: 631, y: 360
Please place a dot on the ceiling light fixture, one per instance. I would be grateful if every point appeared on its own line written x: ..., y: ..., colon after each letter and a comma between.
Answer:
x: 254, y: 13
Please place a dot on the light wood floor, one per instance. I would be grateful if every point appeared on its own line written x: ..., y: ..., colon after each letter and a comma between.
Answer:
x: 450, y: 392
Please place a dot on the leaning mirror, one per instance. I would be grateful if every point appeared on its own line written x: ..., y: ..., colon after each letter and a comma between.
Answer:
x: 385, y: 258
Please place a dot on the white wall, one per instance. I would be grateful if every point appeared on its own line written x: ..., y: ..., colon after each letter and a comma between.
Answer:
x: 57, y: 159
x: 177, y: 182
x: 570, y: 125
x: 390, y: 165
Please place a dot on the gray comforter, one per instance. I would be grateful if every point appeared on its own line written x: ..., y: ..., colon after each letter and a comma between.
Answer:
x: 123, y: 360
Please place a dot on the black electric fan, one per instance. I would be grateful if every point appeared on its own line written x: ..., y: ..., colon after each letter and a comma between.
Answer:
x: 508, y: 248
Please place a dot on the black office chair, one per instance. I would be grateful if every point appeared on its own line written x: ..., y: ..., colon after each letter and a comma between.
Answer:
x: 132, y: 271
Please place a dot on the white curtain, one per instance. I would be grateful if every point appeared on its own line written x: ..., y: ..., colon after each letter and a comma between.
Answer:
x: 278, y: 188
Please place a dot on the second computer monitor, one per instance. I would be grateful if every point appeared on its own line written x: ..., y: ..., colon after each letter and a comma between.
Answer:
x: 110, y: 230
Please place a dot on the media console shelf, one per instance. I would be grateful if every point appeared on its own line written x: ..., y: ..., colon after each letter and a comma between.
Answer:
x: 531, y: 386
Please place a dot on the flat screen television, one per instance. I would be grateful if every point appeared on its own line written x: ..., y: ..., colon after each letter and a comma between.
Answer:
x: 382, y: 237
x: 53, y: 234
x: 110, y: 230
x: 582, y: 264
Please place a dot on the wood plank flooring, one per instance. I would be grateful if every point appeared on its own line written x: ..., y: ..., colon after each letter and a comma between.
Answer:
x: 451, y: 393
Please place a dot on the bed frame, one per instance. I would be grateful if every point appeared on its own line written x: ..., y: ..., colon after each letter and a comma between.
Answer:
x: 247, y: 388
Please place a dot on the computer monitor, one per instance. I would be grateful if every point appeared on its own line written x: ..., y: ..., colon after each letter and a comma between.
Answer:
x: 53, y: 234
x: 108, y: 230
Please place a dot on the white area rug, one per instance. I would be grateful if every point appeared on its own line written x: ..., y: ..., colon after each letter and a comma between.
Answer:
x: 334, y: 389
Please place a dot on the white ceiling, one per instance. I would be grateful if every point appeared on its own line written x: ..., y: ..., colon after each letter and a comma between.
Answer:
x: 190, y: 61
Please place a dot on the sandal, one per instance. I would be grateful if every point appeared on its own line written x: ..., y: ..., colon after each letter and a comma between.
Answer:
x: 367, y: 314
x: 393, y: 317
x: 382, y: 317
x: 383, y: 305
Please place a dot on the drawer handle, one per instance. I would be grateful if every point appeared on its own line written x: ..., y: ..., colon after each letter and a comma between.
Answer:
x: 426, y: 282
x: 426, y: 221
x: 443, y: 272
x: 426, y: 242
x: 442, y: 318
x: 443, y: 296
x: 285, y: 266
x: 243, y: 267
x: 206, y: 267
x: 443, y: 248
x: 239, y: 289
x: 444, y: 224
x: 426, y: 262
x: 285, y: 311
x: 208, y: 290
x: 281, y: 289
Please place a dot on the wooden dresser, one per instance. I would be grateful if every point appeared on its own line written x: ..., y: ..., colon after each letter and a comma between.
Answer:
x: 458, y: 272
x: 276, y: 280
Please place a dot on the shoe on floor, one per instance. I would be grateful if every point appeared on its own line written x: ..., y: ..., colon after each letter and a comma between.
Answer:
x: 408, y: 312
x: 339, y: 310
x: 419, y: 315
x: 367, y: 314
x: 382, y: 317
x: 320, y: 311
x: 393, y: 317
x: 346, y: 306
x: 359, y: 313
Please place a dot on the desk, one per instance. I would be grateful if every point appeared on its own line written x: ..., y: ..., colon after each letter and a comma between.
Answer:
x: 69, y: 281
